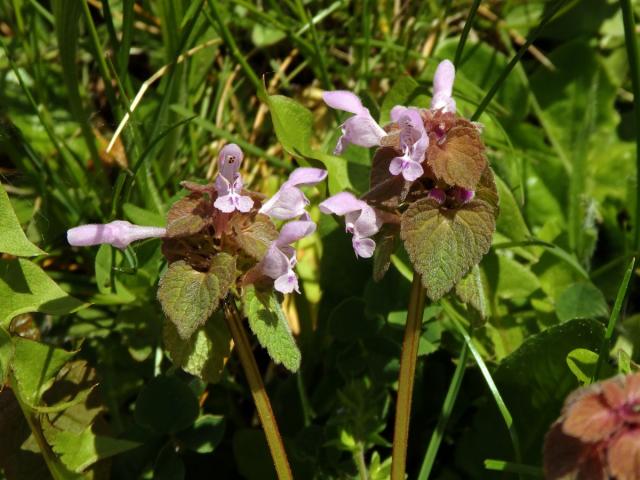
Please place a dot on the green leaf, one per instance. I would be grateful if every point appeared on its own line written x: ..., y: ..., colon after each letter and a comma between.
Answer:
x: 80, y: 451
x: 189, y: 297
x: 25, y: 287
x: 582, y: 363
x: 268, y: 322
x: 386, y: 243
x: 169, y: 465
x: 581, y: 300
x: 141, y: 216
x: 35, y: 366
x: 254, y: 238
x: 205, y: 353
x: 444, y: 244
x: 166, y: 405
x: 12, y: 239
x: 510, y: 221
x: 293, y: 124
x: 205, y: 435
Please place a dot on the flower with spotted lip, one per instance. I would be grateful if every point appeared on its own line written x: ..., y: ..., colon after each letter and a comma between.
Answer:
x: 229, y: 181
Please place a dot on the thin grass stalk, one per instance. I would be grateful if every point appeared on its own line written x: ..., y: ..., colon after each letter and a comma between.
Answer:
x: 406, y: 377
x: 445, y: 414
x: 634, y: 69
x: 613, y: 319
x: 512, y: 63
x: 465, y: 31
x: 258, y: 392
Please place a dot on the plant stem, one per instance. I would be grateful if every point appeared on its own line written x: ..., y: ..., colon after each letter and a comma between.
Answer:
x: 358, y: 457
x: 260, y: 397
x: 405, y: 380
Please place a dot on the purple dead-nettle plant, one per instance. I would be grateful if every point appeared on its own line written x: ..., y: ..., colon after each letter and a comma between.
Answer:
x: 430, y: 186
x: 220, y: 242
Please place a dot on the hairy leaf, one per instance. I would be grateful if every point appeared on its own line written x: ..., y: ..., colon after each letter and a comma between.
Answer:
x: 6, y: 355
x: 459, y: 159
x: 581, y: 300
x: 189, y: 297
x: 12, y: 239
x: 444, y: 244
x: 189, y: 215
x: 268, y: 322
x: 472, y: 290
x: 254, y: 238
x: 205, y: 353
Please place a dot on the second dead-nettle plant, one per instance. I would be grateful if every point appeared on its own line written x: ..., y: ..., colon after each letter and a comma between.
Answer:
x: 222, y: 246
x: 430, y: 186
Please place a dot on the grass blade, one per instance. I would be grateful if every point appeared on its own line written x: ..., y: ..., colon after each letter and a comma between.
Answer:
x: 445, y: 414
x: 465, y: 31
x: 503, y: 466
x: 613, y: 319
x: 523, y: 49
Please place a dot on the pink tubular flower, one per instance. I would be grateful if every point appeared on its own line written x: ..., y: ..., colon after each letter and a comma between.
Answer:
x: 361, y: 129
x: 289, y: 201
x: 360, y: 220
x: 280, y: 259
x: 118, y: 233
x: 413, y: 142
x: 229, y: 182
x: 443, y: 87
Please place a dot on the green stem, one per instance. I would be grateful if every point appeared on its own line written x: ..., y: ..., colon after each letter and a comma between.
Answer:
x: 634, y: 67
x: 260, y: 397
x: 358, y: 457
x: 408, y: 359
x: 445, y: 414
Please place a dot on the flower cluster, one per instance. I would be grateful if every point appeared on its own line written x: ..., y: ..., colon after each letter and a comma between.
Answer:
x: 423, y: 153
x: 598, y: 434
x: 224, y: 217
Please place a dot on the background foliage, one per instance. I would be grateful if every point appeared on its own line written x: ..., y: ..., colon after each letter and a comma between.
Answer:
x: 560, y: 134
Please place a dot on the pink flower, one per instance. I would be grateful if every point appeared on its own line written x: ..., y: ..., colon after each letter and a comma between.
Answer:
x: 229, y: 182
x: 413, y: 142
x: 360, y: 220
x: 118, y: 233
x: 280, y: 259
x: 361, y: 129
x: 443, y: 87
x: 289, y: 201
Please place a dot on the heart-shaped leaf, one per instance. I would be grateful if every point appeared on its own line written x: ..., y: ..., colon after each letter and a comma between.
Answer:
x: 268, y: 322
x: 189, y: 215
x: 254, y: 237
x: 445, y: 243
x: 189, y: 297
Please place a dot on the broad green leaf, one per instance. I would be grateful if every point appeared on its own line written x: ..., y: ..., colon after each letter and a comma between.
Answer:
x: 166, y: 405
x: 581, y: 300
x: 25, y: 287
x: 189, y: 297
x: 80, y: 451
x: 169, y: 465
x: 534, y: 381
x: 264, y: 36
x: 444, y: 244
x: 582, y: 363
x: 405, y: 91
x: 35, y: 366
x: 255, y: 237
x: 104, y: 264
x: 205, y: 435
x: 12, y: 239
x: 205, y: 353
x: 268, y: 322
x: 386, y: 243
x: 514, y: 279
x: 6, y: 355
